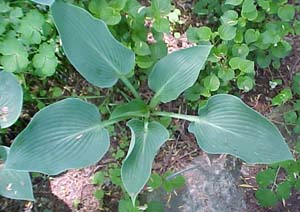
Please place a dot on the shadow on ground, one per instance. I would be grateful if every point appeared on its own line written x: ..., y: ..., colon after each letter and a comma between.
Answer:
x: 45, y: 200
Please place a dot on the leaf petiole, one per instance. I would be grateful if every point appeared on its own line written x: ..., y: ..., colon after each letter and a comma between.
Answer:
x: 128, y: 84
x: 154, y: 102
x: 177, y: 116
x: 112, y: 121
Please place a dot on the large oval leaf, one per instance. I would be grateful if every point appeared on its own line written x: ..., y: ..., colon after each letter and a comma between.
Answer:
x: 177, y: 71
x: 227, y: 126
x: 14, y: 184
x: 65, y: 135
x: 11, y: 99
x: 146, y: 140
x: 90, y: 47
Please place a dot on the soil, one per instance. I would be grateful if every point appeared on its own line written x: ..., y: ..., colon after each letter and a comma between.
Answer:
x: 60, y: 193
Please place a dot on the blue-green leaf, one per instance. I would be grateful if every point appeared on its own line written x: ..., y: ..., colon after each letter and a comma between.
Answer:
x: 65, y: 135
x: 14, y: 184
x: 227, y: 126
x: 146, y: 140
x: 11, y: 99
x: 177, y: 72
x: 90, y: 47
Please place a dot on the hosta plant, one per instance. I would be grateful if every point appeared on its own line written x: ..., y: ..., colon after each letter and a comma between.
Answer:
x: 13, y: 183
x: 70, y: 133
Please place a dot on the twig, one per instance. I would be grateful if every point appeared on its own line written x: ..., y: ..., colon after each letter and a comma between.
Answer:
x: 182, y: 171
x: 275, y: 179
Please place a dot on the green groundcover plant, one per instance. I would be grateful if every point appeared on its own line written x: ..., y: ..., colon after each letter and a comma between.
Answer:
x: 27, y: 39
x: 245, y: 34
x: 70, y: 133
x: 278, y: 182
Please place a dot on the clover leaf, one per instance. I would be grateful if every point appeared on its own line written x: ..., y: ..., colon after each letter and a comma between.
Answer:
x: 109, y: 13
x: 286, y: 13
x: 45, y: 61
x: 199, y: 34
x: 212, y: 82
x: 245, y: 83
x: 227, y: 32
x: 266, y: 197
x: 251, y: 36
x: 31, y: 26
x: 14, y: 55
